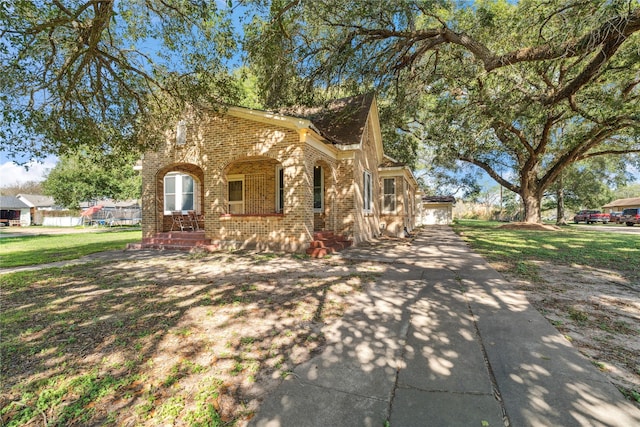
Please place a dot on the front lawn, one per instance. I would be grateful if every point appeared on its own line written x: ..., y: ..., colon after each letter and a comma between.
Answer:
x: 569, y: 246
x: 175, y: 339
x: 40, y: 249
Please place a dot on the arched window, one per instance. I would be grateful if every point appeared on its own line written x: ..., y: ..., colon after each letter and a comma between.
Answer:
x: 179, y: 192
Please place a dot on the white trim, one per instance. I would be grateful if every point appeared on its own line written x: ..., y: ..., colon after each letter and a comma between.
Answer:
x: 270, y: 118
x: 235, y: 178
x: 178, y: 192
x: 313, y: 140
x: 386, y: 156
x: 384, y: 195
x: 388, y: 171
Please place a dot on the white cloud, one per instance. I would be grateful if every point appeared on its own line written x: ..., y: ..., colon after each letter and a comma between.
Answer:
x: 12, y: 174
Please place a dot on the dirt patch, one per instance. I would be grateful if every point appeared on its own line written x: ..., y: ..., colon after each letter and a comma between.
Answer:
x: 597, y: 310
x: 171, y: 340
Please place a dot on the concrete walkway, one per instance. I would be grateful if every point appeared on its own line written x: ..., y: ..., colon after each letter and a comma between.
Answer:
x: 442, y: 340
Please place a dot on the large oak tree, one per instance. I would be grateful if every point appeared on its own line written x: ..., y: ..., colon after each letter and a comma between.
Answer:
x: 522, y: 90
x: 106, y: 74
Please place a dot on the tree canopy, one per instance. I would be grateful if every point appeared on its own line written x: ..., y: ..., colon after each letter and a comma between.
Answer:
x: 101, y: 73
x: 521, y: 91
x: 82, y: 177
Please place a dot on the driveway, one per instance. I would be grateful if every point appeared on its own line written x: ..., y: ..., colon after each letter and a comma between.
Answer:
x: 617, y: 228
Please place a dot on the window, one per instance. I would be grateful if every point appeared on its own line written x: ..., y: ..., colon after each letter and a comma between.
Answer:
x: 181, y: 133
x: 318, y: 189
x: 405, y: 187
x: 236, y: 194
x: 179, y: 192
x: 367, y: 191
x: 389, y: 198
x: 279, y: 189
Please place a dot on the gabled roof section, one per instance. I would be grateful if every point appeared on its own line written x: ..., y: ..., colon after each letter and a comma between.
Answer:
x: 439, y: 199
x: 36, y: 200
x: 390, y: 162
x: 633, y: 201
x: 11, y: 202
x: 341, y: 121
x: 389, y: 165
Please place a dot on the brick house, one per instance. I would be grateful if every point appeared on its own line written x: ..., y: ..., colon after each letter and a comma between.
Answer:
x: 269, y: 180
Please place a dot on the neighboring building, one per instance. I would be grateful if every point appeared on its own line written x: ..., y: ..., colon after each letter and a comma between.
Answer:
x: 437, y: 210
x: 399, y: 188
x: 37, y: 204
x: 622, y: 204
x: 270, y: 180
x: 14, y: 212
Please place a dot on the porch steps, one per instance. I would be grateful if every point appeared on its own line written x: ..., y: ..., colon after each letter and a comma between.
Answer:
x: 176, y: 240
x: 325, y: 243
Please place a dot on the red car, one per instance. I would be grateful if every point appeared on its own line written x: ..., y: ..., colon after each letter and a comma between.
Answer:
x: 591, y: 216
x: 614, y: 217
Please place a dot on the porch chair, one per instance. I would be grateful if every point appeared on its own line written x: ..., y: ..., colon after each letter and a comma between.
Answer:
x: 179, y: 220
x: 196, y: 220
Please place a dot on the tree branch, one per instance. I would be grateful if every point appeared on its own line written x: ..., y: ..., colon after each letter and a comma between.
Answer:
x: 489, y: 170
x: 607, y: 152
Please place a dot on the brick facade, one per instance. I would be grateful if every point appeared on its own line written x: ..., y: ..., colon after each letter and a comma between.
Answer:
x: 252, y: 147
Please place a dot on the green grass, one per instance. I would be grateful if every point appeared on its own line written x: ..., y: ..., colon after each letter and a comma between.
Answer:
x: 33, y: 250
x: 568, y: 246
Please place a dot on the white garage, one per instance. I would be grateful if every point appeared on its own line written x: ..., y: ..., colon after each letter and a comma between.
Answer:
x: 436, y: 210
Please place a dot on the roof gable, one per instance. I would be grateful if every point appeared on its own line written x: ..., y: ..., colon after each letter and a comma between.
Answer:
x: 633, y: 201
x: 341, y: 121
x: 36, y: 200
x: 11, y: 202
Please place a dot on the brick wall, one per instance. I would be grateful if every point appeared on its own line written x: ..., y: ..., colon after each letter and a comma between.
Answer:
x: 219, y: 145
x: 366, y: 225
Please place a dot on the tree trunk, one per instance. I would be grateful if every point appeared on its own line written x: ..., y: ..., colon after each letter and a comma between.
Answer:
x: 560, y: 199
x: 531, y: 207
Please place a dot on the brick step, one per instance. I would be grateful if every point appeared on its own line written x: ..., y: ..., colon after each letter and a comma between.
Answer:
x: 173, y: 247
x: 319, y: 235
x: 185, y: 235
x: 325, y: 243
x: 336, y: 244
x: 176, y: 240
x: 319, y: 252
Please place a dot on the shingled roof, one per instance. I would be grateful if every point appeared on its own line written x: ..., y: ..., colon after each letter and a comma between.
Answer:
x: 11, y: 203
x: 341, y: 121
x: 37, y: 200
x: 439, y: 199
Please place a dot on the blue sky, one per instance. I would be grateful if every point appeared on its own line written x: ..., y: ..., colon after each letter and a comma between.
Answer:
x: 12, y: 173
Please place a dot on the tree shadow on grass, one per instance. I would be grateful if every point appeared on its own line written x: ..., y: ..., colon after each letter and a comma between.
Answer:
x: 168, y: 338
